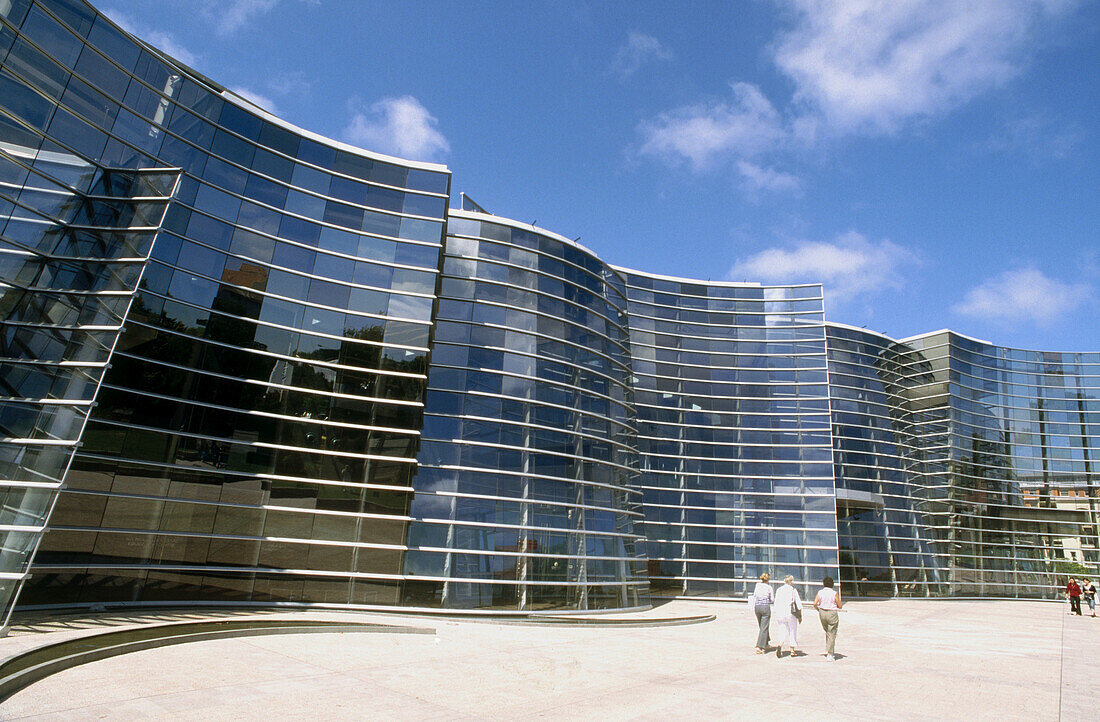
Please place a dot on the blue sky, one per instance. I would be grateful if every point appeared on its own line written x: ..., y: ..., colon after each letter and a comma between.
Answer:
x: 933, y: 163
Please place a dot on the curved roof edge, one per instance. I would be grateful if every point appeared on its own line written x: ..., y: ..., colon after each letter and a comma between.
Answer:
x: 679, y: 279
x: 990, y: 343
x: 490, y: 218
x: 337, y: 144
x: 861, y: 329
x: 251, y: 107
x: 705, y: 282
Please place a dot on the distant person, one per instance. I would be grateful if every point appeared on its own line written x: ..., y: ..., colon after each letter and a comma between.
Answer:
x: 827, y: 603
x: 762, y: 599
x: 788, y: 614
x: 1088, y: 590
x: 1073, y: 591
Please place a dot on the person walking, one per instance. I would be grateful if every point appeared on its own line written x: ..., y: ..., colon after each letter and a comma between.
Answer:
x: 1088, y: 589
x: 1073, y: 591
x: 788, y: 614
x: 762, y: 599
x: 828, y: 604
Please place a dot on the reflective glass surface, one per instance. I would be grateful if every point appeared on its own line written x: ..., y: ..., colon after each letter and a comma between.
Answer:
x: 256, y: 432
x: 880, y: 428
x: 74, y: 240
x: 733, y: 428
x: 1007, y: 470
x: 259, y: 371
x: 525, y: 495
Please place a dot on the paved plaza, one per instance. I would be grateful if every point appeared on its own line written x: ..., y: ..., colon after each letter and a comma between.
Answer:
x: 897, y: 659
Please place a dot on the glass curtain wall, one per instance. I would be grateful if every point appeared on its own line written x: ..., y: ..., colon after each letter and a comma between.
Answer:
x: 1016, y: 480
x: 525, y: 496
x: 731, y: 390
x: 885, y: 540
x: 74, y: 239
x: 591, y: 432
x: 256, y: 434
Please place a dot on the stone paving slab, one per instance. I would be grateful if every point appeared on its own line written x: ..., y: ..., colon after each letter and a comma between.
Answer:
x: 899, y: 659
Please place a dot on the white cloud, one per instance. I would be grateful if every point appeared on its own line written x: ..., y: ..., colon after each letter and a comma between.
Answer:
x: 293, y: 83
x: 1037, y: 136
x: 849, y: 267
x: 231, y: 15
x: 861, y: 67
x: 637, y: 49
x: 161, y: 40
x: 871, y: 65
x: 1025, y: 293
x: 703, y: 133
x: 758, y: 178
x: 257, y: 99
x: 397, y: 126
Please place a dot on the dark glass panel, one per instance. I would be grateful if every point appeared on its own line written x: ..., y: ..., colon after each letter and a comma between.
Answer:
x: 197, y: 131
x: 316, y: 154
x: 296, y: 229
x: 78, y: 135
x: 353, y: 165
x: 98, y: 71
x: 388, y: 173
x: 279, y: 139
x: 240, y: 121
x: 34, y: 67
x: 51, y: 36
x: 75, y: 14
x: 272, y: 165
x: 24, y: 103
x: 423, y: 180
x: 232, y: 148
x: 113, y: 43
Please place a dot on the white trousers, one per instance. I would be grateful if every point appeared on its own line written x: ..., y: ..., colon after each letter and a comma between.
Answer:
x: 788, y: 629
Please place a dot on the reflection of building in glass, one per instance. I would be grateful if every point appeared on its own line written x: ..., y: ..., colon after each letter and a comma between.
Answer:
x: 1017, y: 466
x: 255, y: 437
x: 879, y: 432
x: 75, y: 239
x: 526, y: 494
x: 267, y: 301
x: 732, y: 399
x: 977, y: 461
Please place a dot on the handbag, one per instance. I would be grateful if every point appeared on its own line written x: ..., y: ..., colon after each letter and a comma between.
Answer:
x: 795, y: 611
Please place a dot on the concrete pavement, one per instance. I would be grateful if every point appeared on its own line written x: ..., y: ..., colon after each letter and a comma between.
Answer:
x: 898, y: 659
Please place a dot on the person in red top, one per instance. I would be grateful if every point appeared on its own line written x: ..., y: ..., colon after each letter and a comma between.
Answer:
x: 1073, y: 591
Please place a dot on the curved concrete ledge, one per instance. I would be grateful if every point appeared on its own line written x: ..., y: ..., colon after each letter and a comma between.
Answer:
x: 26, y: 668
x: 604, y: 622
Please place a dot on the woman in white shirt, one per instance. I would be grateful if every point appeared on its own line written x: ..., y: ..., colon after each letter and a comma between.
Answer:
x: 762, y: 598
x: 827, y: 603
x: 788, y: 614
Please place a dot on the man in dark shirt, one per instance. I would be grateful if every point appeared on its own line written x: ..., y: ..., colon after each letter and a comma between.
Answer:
x: 1088, y: 590
x: 1073, y: 591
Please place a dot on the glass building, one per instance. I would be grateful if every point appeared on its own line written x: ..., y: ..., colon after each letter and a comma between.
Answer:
x: 245, y: 364
x: 878, y: 435
x: 255, y: 436
x: 962, y: 468
x: 1010, y: 487
x: 526, y: 496
x: 731, y: 389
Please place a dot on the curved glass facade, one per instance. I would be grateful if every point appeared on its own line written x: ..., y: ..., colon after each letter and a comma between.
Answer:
x: 1015, y: 505
x: 526, y: 497
x: 74, y: 240
x: 963, y: 468
x: 732, y: 396
x: 223, y: 339
x: 256, y: 434
x: 884, y: 538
